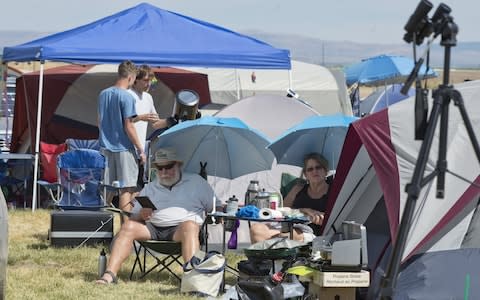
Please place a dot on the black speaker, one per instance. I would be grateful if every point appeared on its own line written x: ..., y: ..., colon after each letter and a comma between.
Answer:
x: 71, y: 228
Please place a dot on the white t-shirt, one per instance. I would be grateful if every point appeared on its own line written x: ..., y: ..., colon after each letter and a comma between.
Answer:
x: 143, y: 105
x: 189, y: 199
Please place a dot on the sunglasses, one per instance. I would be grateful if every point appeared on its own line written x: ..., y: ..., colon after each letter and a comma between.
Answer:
x: 317, y: 168
x: 165, y: 167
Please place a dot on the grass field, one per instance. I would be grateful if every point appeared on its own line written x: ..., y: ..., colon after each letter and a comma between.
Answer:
x: 456, y: 76
x: 37, y: 270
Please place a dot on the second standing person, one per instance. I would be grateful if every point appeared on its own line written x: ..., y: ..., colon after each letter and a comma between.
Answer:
x: 146, y: 112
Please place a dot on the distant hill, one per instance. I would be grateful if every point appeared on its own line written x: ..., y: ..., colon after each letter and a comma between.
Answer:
x: 335, y: 53
x: 328, y: 53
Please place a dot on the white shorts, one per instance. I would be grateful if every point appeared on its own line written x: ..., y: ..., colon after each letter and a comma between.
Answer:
x: 121, y: 167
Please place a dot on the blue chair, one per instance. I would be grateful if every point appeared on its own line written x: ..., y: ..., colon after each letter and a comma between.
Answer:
x: 74, y: 144
x: 80, y: 176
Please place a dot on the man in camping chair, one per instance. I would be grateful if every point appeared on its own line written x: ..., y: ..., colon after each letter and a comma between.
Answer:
x: 181, y: 201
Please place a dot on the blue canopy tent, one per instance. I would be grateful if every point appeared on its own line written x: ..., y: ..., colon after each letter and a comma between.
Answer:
x: 149, y: 35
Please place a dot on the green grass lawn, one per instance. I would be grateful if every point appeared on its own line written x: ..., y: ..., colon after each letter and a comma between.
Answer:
x: 37, y: 270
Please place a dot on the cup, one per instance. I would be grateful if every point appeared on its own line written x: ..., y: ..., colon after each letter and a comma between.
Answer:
x: 232, y: 207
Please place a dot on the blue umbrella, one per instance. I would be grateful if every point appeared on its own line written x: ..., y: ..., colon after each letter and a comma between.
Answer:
x: 322, y: 134
x: 230, y: 148
x: 383, y: 70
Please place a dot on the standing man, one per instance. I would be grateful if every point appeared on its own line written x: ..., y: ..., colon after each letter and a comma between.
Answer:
x: 118, y: 138
x: 145, y: 108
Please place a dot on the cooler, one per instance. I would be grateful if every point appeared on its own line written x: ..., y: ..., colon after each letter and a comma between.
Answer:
x: 71, y: 227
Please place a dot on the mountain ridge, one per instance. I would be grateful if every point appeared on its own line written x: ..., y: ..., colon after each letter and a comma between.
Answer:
x: 324, y: 52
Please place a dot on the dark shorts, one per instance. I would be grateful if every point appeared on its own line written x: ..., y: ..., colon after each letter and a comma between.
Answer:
x: 161, y: 233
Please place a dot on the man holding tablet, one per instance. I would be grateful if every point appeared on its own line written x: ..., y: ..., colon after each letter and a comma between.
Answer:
x: 181, y: 201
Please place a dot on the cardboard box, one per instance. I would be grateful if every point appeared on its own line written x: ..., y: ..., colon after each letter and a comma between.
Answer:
x: 331, y: 293
x: 342, y: 279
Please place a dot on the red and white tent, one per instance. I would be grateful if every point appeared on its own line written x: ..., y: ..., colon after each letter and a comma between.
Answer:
x: 378, y: 160
x: 70, y: 100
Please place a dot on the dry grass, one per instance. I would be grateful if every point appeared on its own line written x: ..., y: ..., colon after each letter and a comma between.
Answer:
x: 456, y: 76
x: 36, y: 270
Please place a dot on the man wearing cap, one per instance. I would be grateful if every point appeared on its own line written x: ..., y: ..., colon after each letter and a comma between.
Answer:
x: 181, y: 199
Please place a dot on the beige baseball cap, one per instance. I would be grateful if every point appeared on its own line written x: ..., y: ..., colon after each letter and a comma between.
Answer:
x: 165, y: 155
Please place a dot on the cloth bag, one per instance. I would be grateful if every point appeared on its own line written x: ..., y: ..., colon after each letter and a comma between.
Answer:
x: 203, y: 273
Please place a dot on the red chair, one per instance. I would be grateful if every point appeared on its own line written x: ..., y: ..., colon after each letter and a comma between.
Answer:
x: 48, y: 160
x: 49, y: 170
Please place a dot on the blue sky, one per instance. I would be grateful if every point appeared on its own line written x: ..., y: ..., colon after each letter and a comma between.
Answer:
x: 376, y: 21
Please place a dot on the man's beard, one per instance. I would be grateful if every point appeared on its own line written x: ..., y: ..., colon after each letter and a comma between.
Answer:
x: 169, y: 181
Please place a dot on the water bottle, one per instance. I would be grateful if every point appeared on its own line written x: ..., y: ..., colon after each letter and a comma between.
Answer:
x: 102, y: 263
x: 232, y: 242
x: 232, y: 206
x: 252, y: 192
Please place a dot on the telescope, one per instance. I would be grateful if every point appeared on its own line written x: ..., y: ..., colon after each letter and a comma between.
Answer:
x: 418, y: 25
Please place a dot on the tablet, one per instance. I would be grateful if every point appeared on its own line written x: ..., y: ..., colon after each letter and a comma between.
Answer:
x: 145, y: 202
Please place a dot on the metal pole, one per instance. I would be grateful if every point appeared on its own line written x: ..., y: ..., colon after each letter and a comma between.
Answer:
x: 37, y: 136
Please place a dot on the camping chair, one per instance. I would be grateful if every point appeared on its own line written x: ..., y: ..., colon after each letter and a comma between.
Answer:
x: 165, y: 255
x: 74, y: 144
x: 48, y: 162
x: 80, y: 174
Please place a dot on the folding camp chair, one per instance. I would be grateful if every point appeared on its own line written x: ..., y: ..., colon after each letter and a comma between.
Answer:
x: 74, y: 144
x: 165, y: 255
x: 80, y: 175
x: 48, y: 171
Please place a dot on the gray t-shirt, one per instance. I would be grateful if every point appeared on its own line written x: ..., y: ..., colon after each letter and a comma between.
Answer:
x: 189, y: 199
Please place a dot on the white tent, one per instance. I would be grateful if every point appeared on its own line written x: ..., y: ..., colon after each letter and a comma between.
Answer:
x: 376, y: 164
x: 323, y: 89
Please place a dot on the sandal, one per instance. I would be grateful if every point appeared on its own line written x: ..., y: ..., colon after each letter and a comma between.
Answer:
x: 105, y: 281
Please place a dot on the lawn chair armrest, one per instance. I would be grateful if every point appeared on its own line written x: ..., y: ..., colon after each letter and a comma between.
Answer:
x: 49, y: 185
x: 110, y: 188
x: 119, y: 211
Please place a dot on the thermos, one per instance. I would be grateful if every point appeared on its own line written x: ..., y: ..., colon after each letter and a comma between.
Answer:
x: 102, y: 263
x: 252, y: 192
x: 263, y: 199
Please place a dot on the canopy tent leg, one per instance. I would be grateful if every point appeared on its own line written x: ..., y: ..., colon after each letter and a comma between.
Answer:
x: 290, y: 80
x: 237, y: 84
x: 37, y: 136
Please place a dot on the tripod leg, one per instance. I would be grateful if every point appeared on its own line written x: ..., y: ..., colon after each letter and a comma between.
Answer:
x: 458, y: 101
x: 442, y: 151
x: 388, y: 282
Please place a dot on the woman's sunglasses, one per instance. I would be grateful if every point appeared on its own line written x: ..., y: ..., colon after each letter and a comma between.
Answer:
x: 310, y: 169
x: 165, y: 167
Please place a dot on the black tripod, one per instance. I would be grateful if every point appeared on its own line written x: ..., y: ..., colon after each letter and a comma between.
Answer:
x: 442, y: 97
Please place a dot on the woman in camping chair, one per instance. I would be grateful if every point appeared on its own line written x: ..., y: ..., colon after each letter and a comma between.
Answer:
x: 309, y: 196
